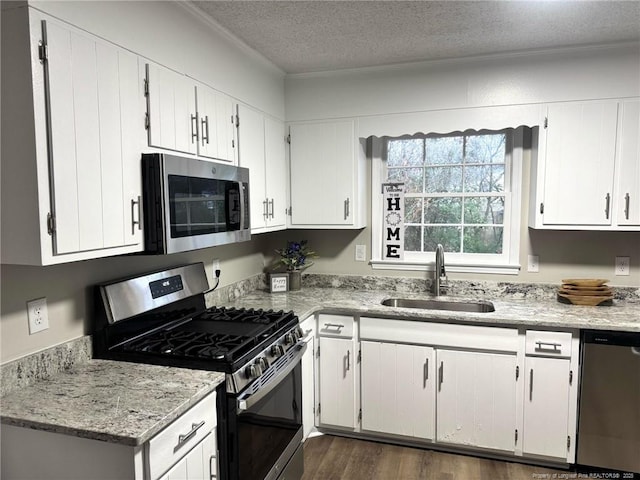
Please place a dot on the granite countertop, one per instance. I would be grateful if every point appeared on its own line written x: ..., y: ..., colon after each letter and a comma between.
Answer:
x: 533, y: 309
x: 118, y: 402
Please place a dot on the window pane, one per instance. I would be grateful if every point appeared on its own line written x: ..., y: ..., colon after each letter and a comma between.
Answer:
x: 445, y: 150
x: 449, y: 237
x: 412, y: 210
x: 443, y: 210
x: 412, y: 178
x: 483, y: 240
x: 485, y: 149
x: 402, y: 153
x: 489, y: 210
x: 443, y: 179
x: 412, y: 238
x: 485, y: 178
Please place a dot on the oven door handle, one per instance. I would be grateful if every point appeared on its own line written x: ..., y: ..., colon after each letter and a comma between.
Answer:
x: 247, y: 403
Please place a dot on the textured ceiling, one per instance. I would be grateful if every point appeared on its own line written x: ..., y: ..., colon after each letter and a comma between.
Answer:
x: 312, y: 36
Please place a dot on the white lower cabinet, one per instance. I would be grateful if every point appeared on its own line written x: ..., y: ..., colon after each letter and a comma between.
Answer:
x: 505, y: 390
x: 337, y: 405
x: 546, y: 412
x: 476, y: 399
x: 308, y: 377
x: 199, y: 464
x: 398, y: 389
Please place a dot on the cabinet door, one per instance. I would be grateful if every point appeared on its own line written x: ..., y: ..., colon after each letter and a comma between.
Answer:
x: 546, y: 408
x: 207, y: 132
x: 322, y: 173
x: 579, y: 163
x: 336, y: 382
x: 251, y: 155
x: 275, y: 173
x: 225, y: 128
x: 628, y: 176
x: 398, y: 389
x: 308, y: 386
x: 476, y: 398
x: 198, y: 464
x: 171, y: 108
x: 93, y: 145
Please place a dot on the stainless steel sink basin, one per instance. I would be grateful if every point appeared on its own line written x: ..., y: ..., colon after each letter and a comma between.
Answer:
x: 451, y: 305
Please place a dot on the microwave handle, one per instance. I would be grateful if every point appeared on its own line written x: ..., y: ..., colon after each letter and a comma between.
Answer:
x: 243, y: 206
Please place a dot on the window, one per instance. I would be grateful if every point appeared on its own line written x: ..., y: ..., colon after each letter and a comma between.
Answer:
x: 458, y: 192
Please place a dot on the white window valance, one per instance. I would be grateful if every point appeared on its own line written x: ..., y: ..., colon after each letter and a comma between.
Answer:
x: 448, y: 121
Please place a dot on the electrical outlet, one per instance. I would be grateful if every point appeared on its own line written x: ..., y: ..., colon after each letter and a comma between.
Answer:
x: 361, y: 253
x: 38, y: 315
x: 215, y: 265
x: 622, y: 265
x: 533, y: 263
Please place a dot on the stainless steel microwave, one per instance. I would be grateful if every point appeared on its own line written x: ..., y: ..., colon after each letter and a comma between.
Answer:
x: 190, y: 204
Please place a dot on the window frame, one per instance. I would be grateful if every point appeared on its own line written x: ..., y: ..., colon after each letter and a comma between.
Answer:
x: 506, y: 263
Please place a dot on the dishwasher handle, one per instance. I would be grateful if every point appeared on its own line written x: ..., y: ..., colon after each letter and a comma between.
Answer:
x: 619, y: 339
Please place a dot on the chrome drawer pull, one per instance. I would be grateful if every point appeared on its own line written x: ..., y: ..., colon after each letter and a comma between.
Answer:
x: 337, y: 326
x: 545, y: 346
x: 182, y: 439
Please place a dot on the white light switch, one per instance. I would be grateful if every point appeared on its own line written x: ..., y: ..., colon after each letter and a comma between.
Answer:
x: 361, y: 253
x: 533, y: 264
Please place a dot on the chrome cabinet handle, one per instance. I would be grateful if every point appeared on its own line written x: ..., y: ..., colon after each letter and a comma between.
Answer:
x: 265, y: 209
x: 205, y: 128
x: 425, y: 373
x: 544, y: 346
x: 194, y: 130
x: 270, y: 213
x: 627, y: 198
x: 607, y: 205
x: 135, y: 203
x: 441, y: 381
x: 182, y: 439
x: 346, y: 209
x: 531, y: 385
x: 348, y: 360
x: 338, y: 326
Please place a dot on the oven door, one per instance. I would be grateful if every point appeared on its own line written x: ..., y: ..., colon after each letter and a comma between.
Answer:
x: 265, y: 422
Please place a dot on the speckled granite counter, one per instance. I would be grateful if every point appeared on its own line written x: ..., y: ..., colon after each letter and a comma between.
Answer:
x: 534, y: 306
x: 118, y: 402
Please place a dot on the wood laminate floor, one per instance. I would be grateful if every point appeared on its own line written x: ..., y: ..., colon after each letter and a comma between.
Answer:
x: 327, y: 457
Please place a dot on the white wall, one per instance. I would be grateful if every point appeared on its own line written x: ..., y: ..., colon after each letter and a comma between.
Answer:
x: 575, y: 74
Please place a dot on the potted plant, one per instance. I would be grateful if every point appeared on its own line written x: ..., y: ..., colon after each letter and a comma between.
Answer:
x: 296, y: 256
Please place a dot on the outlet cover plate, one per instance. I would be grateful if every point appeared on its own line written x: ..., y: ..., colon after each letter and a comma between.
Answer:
x: 622, y: 265
x: 533, y: 264
x: 38, y: 315
x: 361, y: 253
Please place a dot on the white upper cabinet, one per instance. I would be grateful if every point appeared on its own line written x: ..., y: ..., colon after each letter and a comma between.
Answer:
x: 261, y: 142
x: 87, y: 138
x: 626, y: 202
x: 187, y: 116
x: 587, y: 169
x: 327, y: 173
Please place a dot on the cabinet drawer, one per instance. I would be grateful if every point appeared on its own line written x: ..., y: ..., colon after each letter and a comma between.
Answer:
x: 548, y: 344
x: 175, y: 441
x: 335, y: 326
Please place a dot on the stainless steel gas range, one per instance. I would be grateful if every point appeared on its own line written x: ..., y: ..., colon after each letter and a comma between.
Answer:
x: 161, y: 318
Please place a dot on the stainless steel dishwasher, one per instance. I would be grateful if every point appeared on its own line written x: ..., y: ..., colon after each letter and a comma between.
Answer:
x: 609, y: 422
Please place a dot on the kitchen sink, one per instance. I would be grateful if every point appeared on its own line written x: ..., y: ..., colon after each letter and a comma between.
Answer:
x: 479, y: 306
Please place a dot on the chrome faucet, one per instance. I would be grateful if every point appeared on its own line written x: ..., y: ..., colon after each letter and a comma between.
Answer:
x: 440, y: 275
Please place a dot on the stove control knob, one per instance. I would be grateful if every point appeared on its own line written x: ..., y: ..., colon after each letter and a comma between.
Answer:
x: 299, y: 332
x: 277, y: 351
x: 289, y: 339
x: 252, y: 371
x: 262, y: 363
